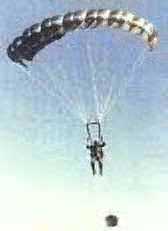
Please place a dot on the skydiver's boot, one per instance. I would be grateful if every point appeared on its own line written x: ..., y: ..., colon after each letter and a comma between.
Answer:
x: 93, y: 167
x: 100, y: 168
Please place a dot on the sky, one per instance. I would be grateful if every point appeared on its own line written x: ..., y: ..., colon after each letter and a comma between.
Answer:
x: 45, y: 177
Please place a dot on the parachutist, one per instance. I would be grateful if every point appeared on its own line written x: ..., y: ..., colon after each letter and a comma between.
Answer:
x: 96, y: 151
x: 96, y: 154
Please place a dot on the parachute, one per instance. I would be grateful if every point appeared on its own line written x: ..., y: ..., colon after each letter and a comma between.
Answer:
x: 92, y: 90
x: 39, y: 35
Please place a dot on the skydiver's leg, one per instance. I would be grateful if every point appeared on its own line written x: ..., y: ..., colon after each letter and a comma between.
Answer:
x: 93, y: 166
x: 101, y: 154
x: 100, y: 167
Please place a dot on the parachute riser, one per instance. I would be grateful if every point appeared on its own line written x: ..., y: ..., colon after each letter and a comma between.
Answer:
x: 95, y: 123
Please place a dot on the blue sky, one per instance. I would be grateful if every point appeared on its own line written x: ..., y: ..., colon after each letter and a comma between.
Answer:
x: 45, y: 172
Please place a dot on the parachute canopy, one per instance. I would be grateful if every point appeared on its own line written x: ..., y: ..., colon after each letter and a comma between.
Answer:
x: 51, y: 29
